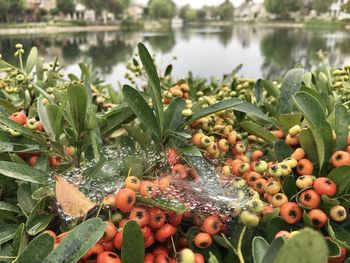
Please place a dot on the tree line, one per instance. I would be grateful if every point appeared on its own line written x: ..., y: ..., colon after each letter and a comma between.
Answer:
x: 15, y: 10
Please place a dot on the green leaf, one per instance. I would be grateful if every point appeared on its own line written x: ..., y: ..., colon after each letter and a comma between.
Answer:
x: 133, y: 250
x: 37, y: 250
x: 7, y: 232
x: 212, y: 258
x: 339, y: 234
x: 137, y: 134
x: 316, y: 96
x: 333, y: 247
x: 77, y: 242
x: 270, y: 88
x: 281, y: 150
x: 252, y: 111
x: 222, y: 105
x: 321, y: 130
x: 289, y: 187
x: 307, y: 142
x: 18, y: 127
x: 9, y: 208
x: 340, y: 177
x: 115, y: 118
x: 31, y: 60
x: 190, y: 151
x: 164, y: 203
x: 342, y: 122
x: 20, y: 240
x: 153, y: 78
x: 259, y: 131
x: 141, y: 109
x: 290, y: 85
x: 42, y: 192
x: 49, y: 116
x: 259, y: 249
x: 269, y: 216
x: 7, y: 106
x: 308, y: 244
x: 275, y: 246
x: 8, y: 143
x: 78, y: 104
x: 330, y: 201
x: 38, y: 223
x: 173, y: 115
x: 22, y: 172
x: 289, y: 120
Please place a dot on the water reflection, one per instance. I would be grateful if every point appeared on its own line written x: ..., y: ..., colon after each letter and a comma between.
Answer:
x: 265, y: 52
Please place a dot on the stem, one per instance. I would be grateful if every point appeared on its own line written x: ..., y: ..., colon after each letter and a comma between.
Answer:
x: 20, y: 61
x: 99, y: 210
x: 239, y: 246
x: 173, y: 244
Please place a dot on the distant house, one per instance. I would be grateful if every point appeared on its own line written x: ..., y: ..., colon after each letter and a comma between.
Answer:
x: 136, y: 9
x: 46, y: 5
x: 250, y: 11
x: 35, y: 8
x: 82, y: 13
x: 177, y: 22
x: 336, y: 9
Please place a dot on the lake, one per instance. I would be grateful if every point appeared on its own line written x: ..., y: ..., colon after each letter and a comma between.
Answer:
x: 265, y: 52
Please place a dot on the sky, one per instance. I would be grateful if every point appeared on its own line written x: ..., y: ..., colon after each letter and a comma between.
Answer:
x: 200, y: 3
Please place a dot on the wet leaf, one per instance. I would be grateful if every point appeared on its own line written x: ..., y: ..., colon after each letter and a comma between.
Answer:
x: 37, y: 250
x: 259, y: 249
x: 321, y: 130
x: 290, y: 85
x: 141, y: 109
x: 259, y: 131
x: 275, y: 246
x: 163, y: 203
x: 7, y: 232
x: 9, y: 208
x: 173, y: 115
x: 133, y: 250
x: 22, y: 172
x: 308, y: 244
x: 339, y: 234
x: 24, y: 198
x: 20, y: 240
x: 78, y: 104
x: 342, y: 122
x: 31, y: 60
x: 154, y: 83
x: 289, y: 120
x: 77, y: 242
x: 341, y: 178
x: 72, y: 201
x: 281, y: 150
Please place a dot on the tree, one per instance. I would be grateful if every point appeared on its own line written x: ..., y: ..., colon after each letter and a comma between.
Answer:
x: 226, y: 10
x: 283, y: 7
x: 201, y: 14
x: 346, y: 7
x: 322, y: 6
x: 161, y: 9
x: 5, y: 7
x: 65, y: 6
x: 114, y: 6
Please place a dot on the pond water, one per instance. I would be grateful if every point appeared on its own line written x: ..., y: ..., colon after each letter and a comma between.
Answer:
x: 264, y: 52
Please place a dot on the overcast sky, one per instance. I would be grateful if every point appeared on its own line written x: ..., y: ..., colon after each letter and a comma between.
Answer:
x: 200, y: 3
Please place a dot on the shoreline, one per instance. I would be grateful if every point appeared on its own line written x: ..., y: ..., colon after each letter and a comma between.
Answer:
x: 28, y: 29
x: 57, y: 29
